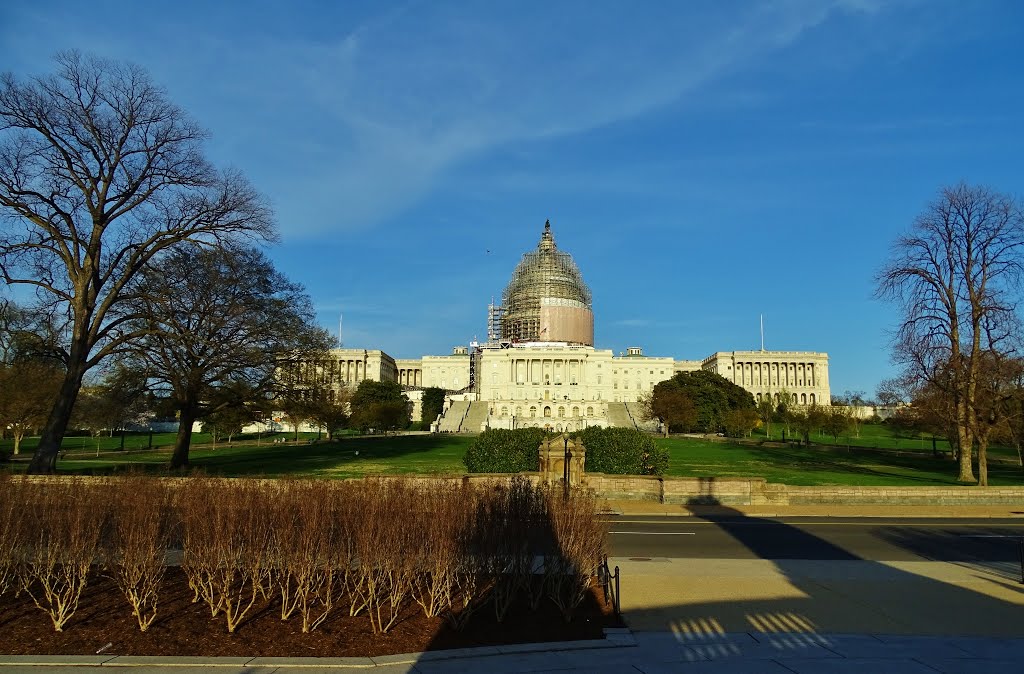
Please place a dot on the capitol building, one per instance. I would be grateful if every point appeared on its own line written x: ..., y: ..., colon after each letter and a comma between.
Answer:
x: 539, y: 366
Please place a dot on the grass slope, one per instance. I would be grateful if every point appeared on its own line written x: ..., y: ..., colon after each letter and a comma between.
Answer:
x: 442, y: 454
x: 349, y: 457
x: 820, y: 465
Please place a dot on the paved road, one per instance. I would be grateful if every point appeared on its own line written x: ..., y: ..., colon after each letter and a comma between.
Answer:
x: 813, y: 538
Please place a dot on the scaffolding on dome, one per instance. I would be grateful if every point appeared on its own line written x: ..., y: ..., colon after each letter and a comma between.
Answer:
x: 547, y: 300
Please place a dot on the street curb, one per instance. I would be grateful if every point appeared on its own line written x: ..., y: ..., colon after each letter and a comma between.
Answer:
x: 993, y: 516
x: 614, y: 637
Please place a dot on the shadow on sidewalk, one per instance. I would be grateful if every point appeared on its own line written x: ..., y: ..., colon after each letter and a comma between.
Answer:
x: 819, y: 588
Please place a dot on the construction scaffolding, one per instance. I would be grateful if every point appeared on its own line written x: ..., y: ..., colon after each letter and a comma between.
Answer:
x: 495, y: 314
x: 547, y: 300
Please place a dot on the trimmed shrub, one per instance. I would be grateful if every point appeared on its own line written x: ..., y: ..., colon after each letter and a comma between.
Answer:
x: 499, y: 450
x: 622, y: 451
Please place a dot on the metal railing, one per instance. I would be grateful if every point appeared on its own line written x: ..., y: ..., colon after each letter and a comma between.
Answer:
x: 610, y: 585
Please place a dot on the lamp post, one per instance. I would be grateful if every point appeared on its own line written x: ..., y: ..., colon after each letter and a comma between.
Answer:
x: 565, y: 469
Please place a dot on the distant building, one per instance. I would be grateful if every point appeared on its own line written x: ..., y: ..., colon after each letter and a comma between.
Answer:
x: 544, y: 371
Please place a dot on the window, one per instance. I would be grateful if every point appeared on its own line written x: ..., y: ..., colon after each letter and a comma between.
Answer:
x: 547, y: 411
x: 590, y: 411
x: 575, y: 411
x: 533, y: 411
x: 561, y: 412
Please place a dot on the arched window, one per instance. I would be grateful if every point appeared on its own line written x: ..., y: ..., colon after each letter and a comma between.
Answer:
x: 575, y: 411
x: 519, y: 411
x: 547, y: 411
x: 590, y: 411
x: 794, y: 399
x: 533, y: 411
x: 812, y: 398
x: 803, y: 398
x: 561, y: 412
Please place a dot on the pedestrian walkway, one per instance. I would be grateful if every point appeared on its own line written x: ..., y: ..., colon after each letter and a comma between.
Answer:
x: 640, y: 653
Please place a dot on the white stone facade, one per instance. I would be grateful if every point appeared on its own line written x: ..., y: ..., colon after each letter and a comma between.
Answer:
x: 568, y: 387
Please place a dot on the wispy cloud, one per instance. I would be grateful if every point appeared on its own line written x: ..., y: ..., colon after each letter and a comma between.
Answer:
x: 403, y: 98
x: 353, y: 127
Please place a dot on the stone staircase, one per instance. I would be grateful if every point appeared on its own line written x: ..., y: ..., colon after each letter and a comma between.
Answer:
x: 636, y: 412
x: 452, y: 419
x: 618, y: 416
x: 476, y: 417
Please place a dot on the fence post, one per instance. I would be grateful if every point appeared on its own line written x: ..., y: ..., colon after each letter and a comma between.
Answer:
x: 619, y: 605
x: 1022, y: 560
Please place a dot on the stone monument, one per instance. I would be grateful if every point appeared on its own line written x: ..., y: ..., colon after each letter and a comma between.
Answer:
x: 562, y: 459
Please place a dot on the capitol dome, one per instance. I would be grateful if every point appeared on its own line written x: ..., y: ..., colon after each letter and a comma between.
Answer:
x: 547, y: 300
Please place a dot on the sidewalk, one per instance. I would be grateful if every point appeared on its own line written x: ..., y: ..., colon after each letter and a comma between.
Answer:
x: 643, y: 653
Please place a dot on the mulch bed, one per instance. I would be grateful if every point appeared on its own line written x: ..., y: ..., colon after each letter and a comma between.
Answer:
x: 103, y: 623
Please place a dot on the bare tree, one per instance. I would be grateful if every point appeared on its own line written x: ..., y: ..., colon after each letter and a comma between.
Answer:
x: 328, y: 408
x: 99, y: 172
x: 218, y: 322
x: 955, y: 276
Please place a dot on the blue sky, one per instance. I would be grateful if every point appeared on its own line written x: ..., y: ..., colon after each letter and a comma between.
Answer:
x: 704, y: 162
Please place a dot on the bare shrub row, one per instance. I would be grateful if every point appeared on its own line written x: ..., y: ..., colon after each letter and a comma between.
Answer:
x: 372, y: 547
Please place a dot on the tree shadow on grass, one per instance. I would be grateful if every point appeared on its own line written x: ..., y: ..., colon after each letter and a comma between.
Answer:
x: 945, y: 470
x: 349, y: 457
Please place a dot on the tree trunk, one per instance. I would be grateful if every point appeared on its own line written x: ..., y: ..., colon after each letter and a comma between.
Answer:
x: 186, y: 417
x: 982, y: 467
x: 965, y: 443
x: 44, y: 460
x: 17, y: 441
x: 982, y: 461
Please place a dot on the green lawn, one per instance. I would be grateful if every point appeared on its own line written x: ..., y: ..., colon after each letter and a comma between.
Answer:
x: 442, y: 454
x: 818, y: 465
x: 349, y: 457
x: 883, y: 437
x: 105, y: 443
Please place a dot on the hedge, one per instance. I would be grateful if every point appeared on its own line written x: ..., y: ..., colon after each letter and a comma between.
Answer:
x: 622, y: 451
x: 500, y: 450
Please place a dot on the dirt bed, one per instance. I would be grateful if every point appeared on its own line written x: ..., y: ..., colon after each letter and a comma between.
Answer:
x: 103, y: 623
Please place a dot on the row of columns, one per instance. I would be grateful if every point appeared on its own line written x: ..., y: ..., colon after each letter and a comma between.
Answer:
x: 410, y: 377
x: 546, y: 370
x: 350, y: 370
x: 789, y: 375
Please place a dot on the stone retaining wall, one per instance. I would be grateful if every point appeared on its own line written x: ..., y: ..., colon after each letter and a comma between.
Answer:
x: 756, y: 491
x: 731, y: 491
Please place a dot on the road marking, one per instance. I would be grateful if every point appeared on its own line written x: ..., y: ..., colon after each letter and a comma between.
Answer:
x: 655, y: 533
x: 767, y: 520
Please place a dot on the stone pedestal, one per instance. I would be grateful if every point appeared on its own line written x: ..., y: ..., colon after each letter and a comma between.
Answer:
x: 555, y: 454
